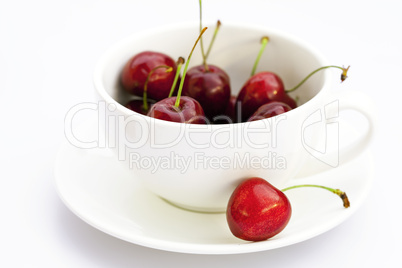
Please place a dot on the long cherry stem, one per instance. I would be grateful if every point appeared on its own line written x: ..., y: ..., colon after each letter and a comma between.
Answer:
x: 144, y: 94
x: 343, y: 75
x: 218, y: 25
x: 204, y: 59
x: 177, y: 103
x: 338, y: 192
x: 264, y: 42
x: 180, y: 63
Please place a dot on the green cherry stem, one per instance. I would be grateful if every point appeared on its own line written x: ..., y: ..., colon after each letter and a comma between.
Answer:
x: 264, y: 42
x: 218, y: 25
x: 145, y: 94
x: 204, y: 59
x: 343, y: 75
x: 177, y: 103
x: 338, y: 192
x: 180, y: 63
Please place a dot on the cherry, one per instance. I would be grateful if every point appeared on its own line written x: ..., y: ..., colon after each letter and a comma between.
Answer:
x: 210, y: 87
x: 265, y: 87
x: 230, y: 111
x: 229, y: 116
x: 188, y: 111
x: 136, y: 70
x: 270, y: 109
x: 259, y: 89
x: 180, y: 109
x: 142, y: 105
x: 208, y: 84
x: 257, y: 210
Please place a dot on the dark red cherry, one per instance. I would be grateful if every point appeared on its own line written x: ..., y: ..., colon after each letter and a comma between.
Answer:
x: 260, y: 89
x: 136, y: 70
x: 269, y: 110
x: 208, y: 84
x: 229, y: 116
x: 188, y: 111
x: 211, y: 88
x: 137, y: 105
x: 182, y: 109
x: 231, y: 108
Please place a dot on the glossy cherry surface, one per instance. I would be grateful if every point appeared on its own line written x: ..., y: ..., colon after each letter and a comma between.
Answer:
x: 260, y: 89
x: 257, y: 210
x: 136, y: 70
x: 211, y: 88
x: 269, y: 110
x: 188, y: 111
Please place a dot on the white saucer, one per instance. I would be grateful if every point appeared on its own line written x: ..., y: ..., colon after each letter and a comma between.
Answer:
x: 98, y: 190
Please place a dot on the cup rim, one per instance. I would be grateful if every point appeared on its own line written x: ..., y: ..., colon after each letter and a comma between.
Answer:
x: 102, y: 62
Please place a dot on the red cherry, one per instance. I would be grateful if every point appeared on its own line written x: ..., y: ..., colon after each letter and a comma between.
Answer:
x: 260, y: 89
x: 211, y: 88
x: 208, y: 84
x: 265, y: 87
x: 188, y: 111
x: 229, y: 116
x: 136, y: 70
x: 257, y: 210
x: 269, y: 110
x: 181, y: 109
x: 231, y: 109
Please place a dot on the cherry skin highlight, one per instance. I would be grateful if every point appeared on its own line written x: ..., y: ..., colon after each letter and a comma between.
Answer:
x: 188, y: 111
x: 269, y: 110
x: 257, y: 210
x: 136, y: 70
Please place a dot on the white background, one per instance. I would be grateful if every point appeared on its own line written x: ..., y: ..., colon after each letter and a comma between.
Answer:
x: 48, y: 50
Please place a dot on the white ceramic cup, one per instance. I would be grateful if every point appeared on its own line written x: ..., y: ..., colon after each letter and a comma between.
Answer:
x: 198, y: 166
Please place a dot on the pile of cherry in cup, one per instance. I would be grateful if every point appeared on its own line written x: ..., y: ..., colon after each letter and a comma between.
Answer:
x: 202, y: 95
